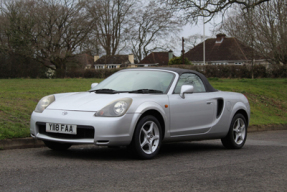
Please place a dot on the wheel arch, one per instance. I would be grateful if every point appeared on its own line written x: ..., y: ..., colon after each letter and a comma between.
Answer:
x: 157, y: 115
x: 241, y: 108
x: 244, y: 113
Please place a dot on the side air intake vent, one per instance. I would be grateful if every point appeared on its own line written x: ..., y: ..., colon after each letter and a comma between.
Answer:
x: 219, y: 107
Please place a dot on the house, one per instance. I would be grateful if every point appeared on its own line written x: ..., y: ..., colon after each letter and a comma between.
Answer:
x: 156, y: 59
x: 113, y: 61
x: 224, y: 50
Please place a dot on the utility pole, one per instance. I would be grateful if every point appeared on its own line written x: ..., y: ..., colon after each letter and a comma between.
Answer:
x: 182, y: 51
x: 203, y: 40
x: 252, y: 38
x: 204, y: 1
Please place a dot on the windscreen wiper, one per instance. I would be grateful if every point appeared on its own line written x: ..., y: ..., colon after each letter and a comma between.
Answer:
x: 145, y: 91
x: 106, y: 91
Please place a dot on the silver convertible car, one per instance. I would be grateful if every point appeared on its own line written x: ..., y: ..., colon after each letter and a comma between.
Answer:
x: 141, y: 108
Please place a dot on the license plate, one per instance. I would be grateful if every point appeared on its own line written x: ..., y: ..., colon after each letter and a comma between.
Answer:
x: 61, y: 128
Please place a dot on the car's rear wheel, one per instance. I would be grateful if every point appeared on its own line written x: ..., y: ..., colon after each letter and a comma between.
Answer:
x: 57, y: 146
x: 236, y: 137
x: 147, y: 138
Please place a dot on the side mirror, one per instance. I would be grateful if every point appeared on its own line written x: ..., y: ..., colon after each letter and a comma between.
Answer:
x: 185, y: 89
x: 94, y: 85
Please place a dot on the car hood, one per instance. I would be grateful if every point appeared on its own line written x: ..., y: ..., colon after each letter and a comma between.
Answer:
x: 83, y: 101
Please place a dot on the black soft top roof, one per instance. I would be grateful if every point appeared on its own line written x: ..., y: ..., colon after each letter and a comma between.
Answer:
x: 180, y: 71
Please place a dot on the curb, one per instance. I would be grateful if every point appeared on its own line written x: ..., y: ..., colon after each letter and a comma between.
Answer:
x: 29, y: 142
x: 258, y: 128
x: 21, y: 143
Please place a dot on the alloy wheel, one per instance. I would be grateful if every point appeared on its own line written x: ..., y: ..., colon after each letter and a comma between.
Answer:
x: 239, y: 132
x: 149, y: 137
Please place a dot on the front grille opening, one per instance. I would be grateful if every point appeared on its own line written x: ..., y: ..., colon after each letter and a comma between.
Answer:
x: 83, y: 132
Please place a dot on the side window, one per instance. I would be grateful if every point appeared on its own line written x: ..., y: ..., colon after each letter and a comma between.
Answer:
x: 190, y: 79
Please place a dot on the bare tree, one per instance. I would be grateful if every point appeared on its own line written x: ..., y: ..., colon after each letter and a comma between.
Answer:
x: 15, y: 37
x: 272, y: 29
x: 61, y: 28
x: 192, y: 40
x: 47, y: 31
x: 192, y: 9
x: 266, y: 29
x: 152, y: 23
x: 16, y: 28
x: 91, y: 44
x: 111, y: 23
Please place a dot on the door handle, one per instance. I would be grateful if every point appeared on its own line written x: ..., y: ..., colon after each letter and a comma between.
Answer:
x: 209, y: 102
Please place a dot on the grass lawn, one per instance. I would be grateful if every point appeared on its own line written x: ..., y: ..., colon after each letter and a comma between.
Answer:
x: 267, y: 98
x: 19, y: 97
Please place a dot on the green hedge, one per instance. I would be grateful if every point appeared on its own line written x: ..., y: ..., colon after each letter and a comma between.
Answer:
x: 232, y: 71
x: 220, y: 71
x: 18, y: 67
x: 91, y: 73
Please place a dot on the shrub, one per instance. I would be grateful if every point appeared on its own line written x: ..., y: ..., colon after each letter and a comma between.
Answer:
x: 178, y: 61
x: 259, y: 71
x: 278, y: 71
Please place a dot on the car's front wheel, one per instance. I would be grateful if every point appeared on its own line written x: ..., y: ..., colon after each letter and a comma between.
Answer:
x: 147, y: 138
x: 57, y: 146
x: 237, y: 134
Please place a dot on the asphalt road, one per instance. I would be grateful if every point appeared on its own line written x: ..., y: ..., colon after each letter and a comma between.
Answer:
x: 190, y: 166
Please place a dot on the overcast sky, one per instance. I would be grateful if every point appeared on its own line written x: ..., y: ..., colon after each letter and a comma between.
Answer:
x: 198, y: 28
x: 189, y: 30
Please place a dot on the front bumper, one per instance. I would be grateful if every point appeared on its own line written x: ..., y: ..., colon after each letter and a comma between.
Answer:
x: 108, y: 131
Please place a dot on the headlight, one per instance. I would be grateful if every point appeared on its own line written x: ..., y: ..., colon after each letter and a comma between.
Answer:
x: 44, y: 103
x: 116, y: 108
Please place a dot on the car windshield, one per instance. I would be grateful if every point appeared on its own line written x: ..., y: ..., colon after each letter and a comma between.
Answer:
x: 137, y: 81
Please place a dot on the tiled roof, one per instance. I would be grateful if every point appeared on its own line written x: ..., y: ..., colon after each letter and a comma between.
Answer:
x: 156, y: 57
x: 113, y: 59
x: 221, y: 49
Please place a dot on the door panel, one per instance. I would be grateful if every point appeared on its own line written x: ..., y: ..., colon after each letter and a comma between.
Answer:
x: 192, y: 115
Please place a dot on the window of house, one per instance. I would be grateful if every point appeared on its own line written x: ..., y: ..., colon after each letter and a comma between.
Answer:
x: 99, y: 67
x: 112, y: 66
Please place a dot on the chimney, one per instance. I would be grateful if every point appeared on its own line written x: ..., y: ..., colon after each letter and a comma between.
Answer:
x: 170, y: 55
x: 220, y: 37
x: 131, y: 58
x: 96, y: 58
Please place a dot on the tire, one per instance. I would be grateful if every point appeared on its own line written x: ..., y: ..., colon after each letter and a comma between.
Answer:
x: 57, y: 146
x: 237, y: 134
x: 147, y: 138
